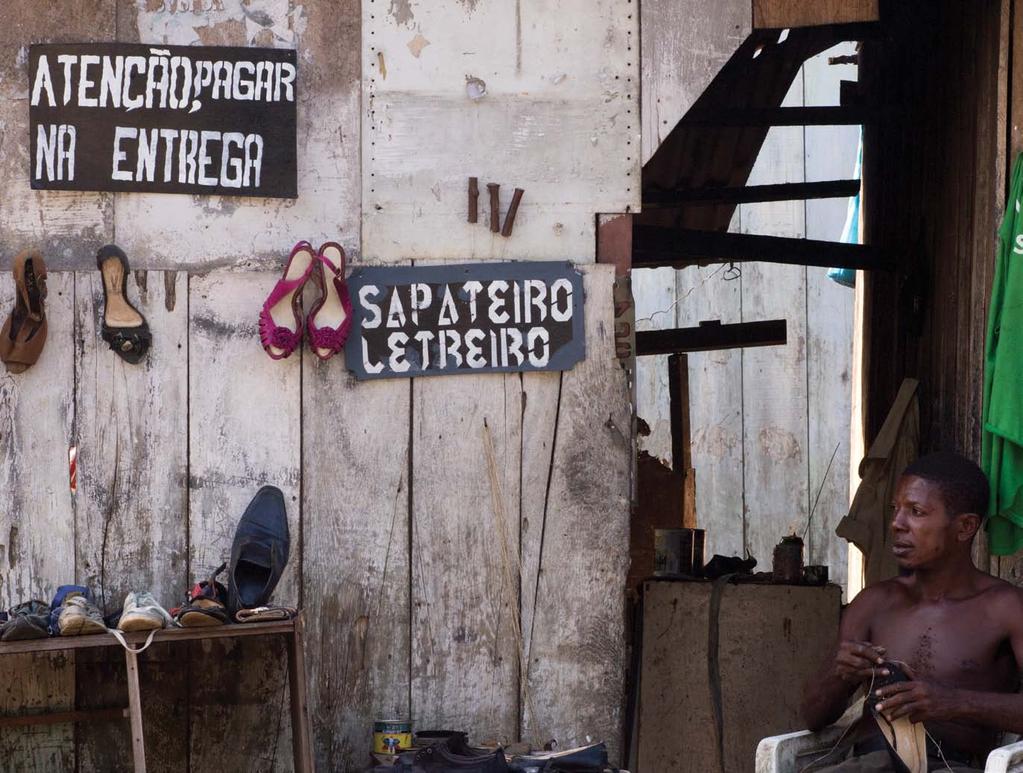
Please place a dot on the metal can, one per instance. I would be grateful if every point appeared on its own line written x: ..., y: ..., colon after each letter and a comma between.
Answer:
x: 673, y: 552
x: 391, y: 736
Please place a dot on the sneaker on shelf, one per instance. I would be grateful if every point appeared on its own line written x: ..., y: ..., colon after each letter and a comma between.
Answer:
x: 206, y: 605
x: 79, y: 617
x: 28, y: 620
x: 57, y: 605
x: 142, y: 613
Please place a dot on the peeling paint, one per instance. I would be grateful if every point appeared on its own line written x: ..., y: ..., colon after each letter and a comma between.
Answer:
x: 177, y: 22
x: 417, y: 44
x: 401, y: 10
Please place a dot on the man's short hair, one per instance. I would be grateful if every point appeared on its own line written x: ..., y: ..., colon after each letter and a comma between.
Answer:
x: 963, y: 485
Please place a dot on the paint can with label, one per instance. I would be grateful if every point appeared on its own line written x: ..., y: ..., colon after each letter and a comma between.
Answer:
x: 391, y: 736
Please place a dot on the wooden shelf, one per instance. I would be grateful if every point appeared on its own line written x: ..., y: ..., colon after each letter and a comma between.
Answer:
x: 53, y: 643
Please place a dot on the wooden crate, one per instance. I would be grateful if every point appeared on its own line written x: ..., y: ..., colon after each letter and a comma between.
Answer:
x: 770, y: 639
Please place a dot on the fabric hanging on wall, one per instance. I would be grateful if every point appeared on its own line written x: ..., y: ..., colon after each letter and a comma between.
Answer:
x: 851, y: 230
x: 1002, y: 436
x: 895, y: 446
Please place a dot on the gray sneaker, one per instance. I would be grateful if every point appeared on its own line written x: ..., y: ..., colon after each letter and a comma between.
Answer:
x: 79, y: 616
x: 142, y: 613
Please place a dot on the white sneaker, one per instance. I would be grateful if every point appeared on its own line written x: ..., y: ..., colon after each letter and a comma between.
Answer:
x: 142, y: 613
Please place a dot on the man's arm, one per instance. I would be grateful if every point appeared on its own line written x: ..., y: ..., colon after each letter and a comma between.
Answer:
x: 849, y: 663
x: 923, y: 701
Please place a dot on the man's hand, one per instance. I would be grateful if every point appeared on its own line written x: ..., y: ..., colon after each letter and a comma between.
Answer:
x: 857, y: 661
x: 920, y: 701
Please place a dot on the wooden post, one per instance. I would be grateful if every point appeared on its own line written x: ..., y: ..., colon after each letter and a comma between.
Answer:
x: 138, y: 745
x: 678, y: 394
x: 301, y: 740
x: 681, y: 435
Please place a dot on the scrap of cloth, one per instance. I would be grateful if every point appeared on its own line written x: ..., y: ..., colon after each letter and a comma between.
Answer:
x: 895, y: 446
x: 1002, y: 436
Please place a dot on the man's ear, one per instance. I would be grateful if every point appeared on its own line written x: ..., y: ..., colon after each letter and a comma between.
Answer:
x: 967, y: 525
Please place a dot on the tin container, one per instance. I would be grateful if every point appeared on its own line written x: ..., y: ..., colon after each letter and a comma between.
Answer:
x: 788, y: 560
x: 815, y: 574
x: 673, y: 552
x: 391, y: 736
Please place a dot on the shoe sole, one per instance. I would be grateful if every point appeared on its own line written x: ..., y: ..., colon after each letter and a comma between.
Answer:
x: 80, y: 626
x: 139, y: 623
x: 198, y: 620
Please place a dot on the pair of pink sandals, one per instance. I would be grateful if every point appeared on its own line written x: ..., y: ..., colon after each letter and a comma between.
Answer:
x: 330, y: 318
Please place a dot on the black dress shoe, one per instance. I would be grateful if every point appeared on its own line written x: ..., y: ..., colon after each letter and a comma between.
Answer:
x: 259, y: 552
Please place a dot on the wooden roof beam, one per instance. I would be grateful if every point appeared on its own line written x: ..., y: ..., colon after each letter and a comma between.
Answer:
x: 711, y: 336
x: 745, y: 194
x: 780, y: 116
x: 812, y: 13
x: 656, y: 246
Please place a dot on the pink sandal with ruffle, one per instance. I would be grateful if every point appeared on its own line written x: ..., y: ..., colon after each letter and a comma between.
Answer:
x: 276, y: 333
x: 330, y: 318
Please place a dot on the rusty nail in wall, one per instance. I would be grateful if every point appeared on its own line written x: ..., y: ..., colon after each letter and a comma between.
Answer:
x: 474, y: 197
x: 495, y: 207
x: 509, y: 219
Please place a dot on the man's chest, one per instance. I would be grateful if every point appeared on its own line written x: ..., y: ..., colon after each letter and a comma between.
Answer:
x: 956, y: 645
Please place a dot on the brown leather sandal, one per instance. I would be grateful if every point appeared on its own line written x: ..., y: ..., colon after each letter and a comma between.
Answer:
x: 24, y: 333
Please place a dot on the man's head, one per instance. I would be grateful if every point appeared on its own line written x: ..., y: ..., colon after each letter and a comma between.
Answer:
x: 939, y: 504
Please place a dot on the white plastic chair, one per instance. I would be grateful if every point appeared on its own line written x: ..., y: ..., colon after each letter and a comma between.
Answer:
x: 791, y: 752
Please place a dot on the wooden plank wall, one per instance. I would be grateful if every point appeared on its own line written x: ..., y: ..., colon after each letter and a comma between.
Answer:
x: 765, y: 422
x: 442, y: 530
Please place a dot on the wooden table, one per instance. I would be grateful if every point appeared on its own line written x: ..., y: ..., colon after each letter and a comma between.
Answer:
x: 292, y: 629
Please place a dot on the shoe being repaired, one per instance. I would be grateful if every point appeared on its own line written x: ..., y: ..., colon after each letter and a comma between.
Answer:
x: 938, y: 649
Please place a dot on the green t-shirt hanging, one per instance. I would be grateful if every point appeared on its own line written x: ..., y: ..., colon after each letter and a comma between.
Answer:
x: 1002, y: 439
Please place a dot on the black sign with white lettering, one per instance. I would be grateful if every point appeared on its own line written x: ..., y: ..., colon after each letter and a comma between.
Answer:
x: 439, y: 320
x: 163, y: 119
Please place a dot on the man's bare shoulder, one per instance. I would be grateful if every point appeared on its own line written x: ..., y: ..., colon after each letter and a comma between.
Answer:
x: 880, y: 594
x: 1001, y: 596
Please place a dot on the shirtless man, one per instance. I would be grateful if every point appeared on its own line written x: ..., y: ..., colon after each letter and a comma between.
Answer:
x: 958, y: 629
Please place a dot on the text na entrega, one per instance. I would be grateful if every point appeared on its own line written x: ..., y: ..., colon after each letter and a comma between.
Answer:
x: 170, y: 119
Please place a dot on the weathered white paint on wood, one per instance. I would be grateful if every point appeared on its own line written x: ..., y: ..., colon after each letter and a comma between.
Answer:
x: 830, y: 155
x: 715, y: 408
x: 58, y: 222
x: 167, y: 231
x: 465, y: 554
x: 541, y: 400
x: 131, y: 509
x: 37, y: 537
x: 244, y: 432
x: 684, y: 46
x: 355, y: 439
x: 576, y: 658
x: 131, y: 429
x: 559, y: 118
x: 37, y: 546
x: 774, y: 409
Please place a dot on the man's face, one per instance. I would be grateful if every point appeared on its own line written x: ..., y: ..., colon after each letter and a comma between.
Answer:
x: 922, y: 530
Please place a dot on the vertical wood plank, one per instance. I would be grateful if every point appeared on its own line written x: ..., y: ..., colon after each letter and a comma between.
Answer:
x: 37, y: 539
x: 574, y: 676
x: 830, y: 154
x: 774, y: 378
x: 244, y: 432
x: 654, y: 292
x: 58, y: 222
x: 683, y: 48
x: 131, y: 510
x: 465, y: 554
x: 716, y: 398
x: 355, y: 557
